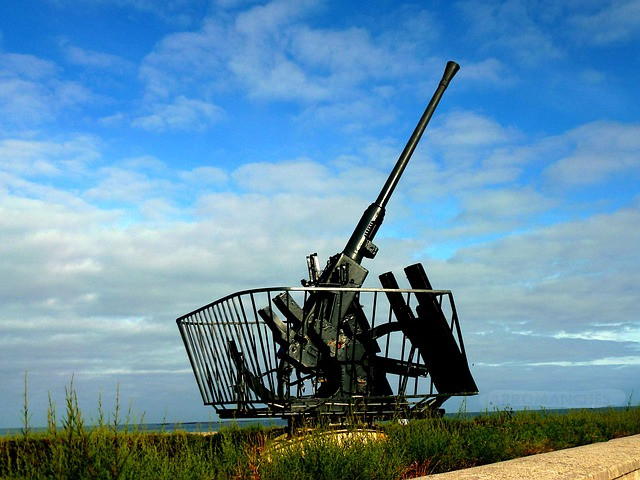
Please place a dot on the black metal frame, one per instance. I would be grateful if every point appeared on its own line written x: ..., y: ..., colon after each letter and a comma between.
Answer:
x: 235, y: 355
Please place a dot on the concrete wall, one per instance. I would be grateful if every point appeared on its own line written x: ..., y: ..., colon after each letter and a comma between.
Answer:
x: 616, y: 459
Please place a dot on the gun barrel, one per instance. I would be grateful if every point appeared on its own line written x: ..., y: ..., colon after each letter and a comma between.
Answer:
x: 360, y: 244
x: 450, y: 70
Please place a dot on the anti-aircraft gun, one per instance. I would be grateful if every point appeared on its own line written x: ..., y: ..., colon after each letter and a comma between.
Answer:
x: 333, y: 347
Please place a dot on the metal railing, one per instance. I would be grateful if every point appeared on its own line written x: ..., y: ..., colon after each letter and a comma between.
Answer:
x: 241, y: 370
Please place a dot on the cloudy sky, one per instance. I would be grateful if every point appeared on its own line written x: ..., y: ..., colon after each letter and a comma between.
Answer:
x: 155, y: 156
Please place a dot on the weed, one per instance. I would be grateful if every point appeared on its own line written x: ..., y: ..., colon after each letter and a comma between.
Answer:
x: 110, y: 448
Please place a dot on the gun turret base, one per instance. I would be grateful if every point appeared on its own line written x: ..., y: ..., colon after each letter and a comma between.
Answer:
x: 372, y: 363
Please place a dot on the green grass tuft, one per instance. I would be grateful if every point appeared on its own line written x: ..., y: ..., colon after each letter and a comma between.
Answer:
x: 110, y: 449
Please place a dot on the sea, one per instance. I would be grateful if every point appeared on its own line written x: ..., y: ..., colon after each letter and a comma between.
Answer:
x: 189, y: 427
x: 216, y: 425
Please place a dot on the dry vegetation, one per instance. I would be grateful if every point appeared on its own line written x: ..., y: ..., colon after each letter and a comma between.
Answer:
x: 110, y: 449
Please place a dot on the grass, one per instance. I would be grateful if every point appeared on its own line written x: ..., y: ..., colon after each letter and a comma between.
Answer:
x: 110, y: 449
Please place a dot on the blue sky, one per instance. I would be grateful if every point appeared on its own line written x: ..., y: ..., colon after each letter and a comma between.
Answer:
x: 155, y: 156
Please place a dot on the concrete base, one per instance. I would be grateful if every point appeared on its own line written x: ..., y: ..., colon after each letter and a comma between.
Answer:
x: 615, y: 459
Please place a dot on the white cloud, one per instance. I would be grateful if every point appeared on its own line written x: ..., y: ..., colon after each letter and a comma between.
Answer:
x: 181, y: 114
x: 618, y: 332
x: 188, y: 60
x: 470, y: 130
x: 503, y: 206
x: 608, y: 361
x: 591, y: 76
x: 562, y: 278
x: 516, y: 26
x: 270, y: 52
x: 596, y: 152
x: 205, y: 176
x: 490, y: 70
x: 301, y: 175
x: 465, y: 152
x: 272, y: 16
x: 181, y: 13
x: 32, y: 92
x: 26, y: 66
x: 234, y: 3
x: 123, y: 185
x: 613, y: 21
x: 249, y: 49
x: 351, y: 56
x: 24, y: 102
x: 48, y: 158
x: 93, y: 59
x: 482, y: 176
x: 352, y: 115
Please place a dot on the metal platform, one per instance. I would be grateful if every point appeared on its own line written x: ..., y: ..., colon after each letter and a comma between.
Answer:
x: 239, y: 353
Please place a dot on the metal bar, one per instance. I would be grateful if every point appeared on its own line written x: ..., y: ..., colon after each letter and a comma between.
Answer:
x: 205, y: 329
x: 197, y: 342
x: 243, y: 332
x: 311, y: 289
x: 222, y: 359
x: 267, y: 363
x: 187, y: 343
x: 233, y: 334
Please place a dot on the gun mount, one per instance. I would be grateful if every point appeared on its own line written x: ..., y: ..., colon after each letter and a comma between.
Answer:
x: 333, y: 347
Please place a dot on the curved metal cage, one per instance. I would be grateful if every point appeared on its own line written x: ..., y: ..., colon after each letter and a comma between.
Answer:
x: 248, y: 352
